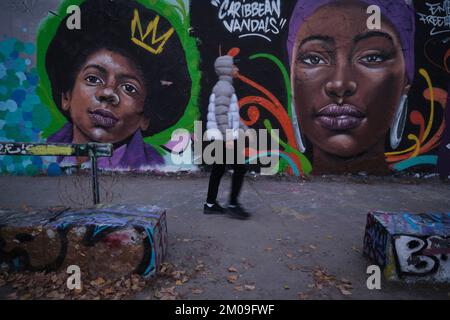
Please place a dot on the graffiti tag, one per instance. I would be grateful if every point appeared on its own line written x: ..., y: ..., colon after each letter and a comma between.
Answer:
x: 438, y: 16
x: 375, y: 241
x: 15, y: 148
x: 423, y: 256
x: 251, y: 18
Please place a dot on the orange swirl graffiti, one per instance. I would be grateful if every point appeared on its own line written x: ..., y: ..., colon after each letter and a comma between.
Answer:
x: 420, y: 145
x: 273, y: 105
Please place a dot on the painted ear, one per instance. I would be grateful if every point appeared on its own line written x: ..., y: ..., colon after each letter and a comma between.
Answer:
x: 406, y: 89
x: 144, y: 123
x: 65, y: 101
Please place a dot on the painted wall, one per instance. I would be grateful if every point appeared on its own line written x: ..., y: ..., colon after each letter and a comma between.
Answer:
x: 333, y: 116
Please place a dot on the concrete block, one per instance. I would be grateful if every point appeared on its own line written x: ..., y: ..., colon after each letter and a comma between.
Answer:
x: 108, y: 241
x: 409, y: 247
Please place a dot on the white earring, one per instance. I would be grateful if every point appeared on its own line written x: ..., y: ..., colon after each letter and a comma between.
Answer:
x: 298, y: 136
x: 398, y: 124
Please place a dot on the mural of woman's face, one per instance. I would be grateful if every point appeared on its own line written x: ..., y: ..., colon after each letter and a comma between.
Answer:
x: 106, y: 103
x: 347, y: 80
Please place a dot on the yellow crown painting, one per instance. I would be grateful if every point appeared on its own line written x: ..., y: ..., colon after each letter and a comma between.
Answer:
x: 156, y: 44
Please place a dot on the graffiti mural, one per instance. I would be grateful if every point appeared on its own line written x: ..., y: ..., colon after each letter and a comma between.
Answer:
x: 355, y: 99
x: 120, y: 239
x: 425, y: 123
x: 126, y: 74
x: 386, y: 112
x: 409, y: 247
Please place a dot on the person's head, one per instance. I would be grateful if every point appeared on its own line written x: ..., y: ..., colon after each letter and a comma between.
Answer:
x: 106, y: 84
x: 348, y: 80
x: 225, y: 68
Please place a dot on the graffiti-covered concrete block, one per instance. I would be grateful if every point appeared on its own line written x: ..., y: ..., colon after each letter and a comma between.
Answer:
x: 108, y: 241
x: 410, y: 247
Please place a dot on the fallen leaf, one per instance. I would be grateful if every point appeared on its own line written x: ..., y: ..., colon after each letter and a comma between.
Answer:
x: 345, y: 292
x: 268, y: 249
x: 169, y: 290
x: 232, y: 269
x: 313, y: 247
x: 178, y: 274
x: 99, y: 281
x: 12, y: 296
x: 286, y: 287
x: 184, y: 279
x: 232, y: 279
x: 302, y: 296
x: 26, y: 296
x: 200, y: 267
x: 108, y: 291
x: 354, y: 248
x: 290, y: 255
x: 249, y: 287
x: 239, y: 288
x: 168, y: 297
x: 135, y: 287
x: 197, y: 290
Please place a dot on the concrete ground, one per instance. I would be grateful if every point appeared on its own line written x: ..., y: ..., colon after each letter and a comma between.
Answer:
x: 301, y: 232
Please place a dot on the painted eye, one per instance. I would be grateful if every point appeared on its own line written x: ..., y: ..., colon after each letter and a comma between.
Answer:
x: 93, y: 79
x: 129, y: 88
x: 313, y: 60
x: 373, y: 58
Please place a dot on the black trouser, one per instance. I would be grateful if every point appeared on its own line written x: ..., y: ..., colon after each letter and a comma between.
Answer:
x: 237, y: 181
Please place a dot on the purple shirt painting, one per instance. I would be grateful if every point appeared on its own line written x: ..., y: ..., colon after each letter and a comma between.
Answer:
x: 136, y: 154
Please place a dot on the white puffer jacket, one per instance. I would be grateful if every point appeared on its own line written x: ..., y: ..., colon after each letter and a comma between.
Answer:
x: 223, y: 109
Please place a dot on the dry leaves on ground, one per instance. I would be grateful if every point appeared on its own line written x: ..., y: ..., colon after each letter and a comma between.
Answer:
x: 168, y: 293
x: 41, y: 285
x: 323, y: 278
x: 53, y: 285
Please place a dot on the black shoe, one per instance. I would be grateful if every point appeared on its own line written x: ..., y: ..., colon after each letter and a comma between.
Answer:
x: 236, y: 211
x: 215, y: 209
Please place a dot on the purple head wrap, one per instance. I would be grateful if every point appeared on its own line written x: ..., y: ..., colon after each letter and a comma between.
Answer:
x: 400, y: 14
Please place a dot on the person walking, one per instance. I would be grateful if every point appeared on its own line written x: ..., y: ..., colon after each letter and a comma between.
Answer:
x: 224, y: 126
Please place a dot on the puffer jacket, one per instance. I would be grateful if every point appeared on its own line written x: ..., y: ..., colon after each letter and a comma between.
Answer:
x: 223, y: 109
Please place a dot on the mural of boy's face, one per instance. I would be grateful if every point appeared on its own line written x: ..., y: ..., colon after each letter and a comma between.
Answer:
x: 106, y: 103
x: 347, y: 80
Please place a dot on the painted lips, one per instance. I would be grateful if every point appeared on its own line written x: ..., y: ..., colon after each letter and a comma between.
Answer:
x: 340, y: 117
x: 103, y: 118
